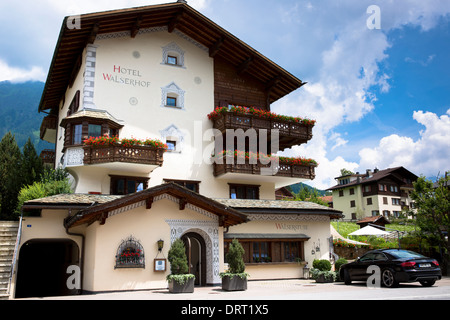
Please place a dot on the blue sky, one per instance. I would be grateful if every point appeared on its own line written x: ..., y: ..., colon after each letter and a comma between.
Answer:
x: 381, y: 97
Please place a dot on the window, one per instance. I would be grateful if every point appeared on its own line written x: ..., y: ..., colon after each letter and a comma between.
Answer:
x: 172, y: 60
x: 352, y: 204
x: 261, y: 252
x: 367, y: 189
x: 130, y: 254
x: 242, y: 191
x: 121, y: 185
x: 291, y: 251
x: 395, y: 201
x: 189, y: 184
x: 352, y: 191
x: 171, y: 101
x: 341, y: 193
x: 369, y: 201
x: 385, y: 200
x: 94, y: 130
x: 74, y: 105
x: 76, y: 134
x: 172, y: 145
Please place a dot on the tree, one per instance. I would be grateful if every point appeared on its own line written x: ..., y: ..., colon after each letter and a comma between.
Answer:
x: 10, y: 175
x: 432, y: 201
x: 235, y: 257
x: 32, y: 166
x: 346, y: 172
x: 177, y: 258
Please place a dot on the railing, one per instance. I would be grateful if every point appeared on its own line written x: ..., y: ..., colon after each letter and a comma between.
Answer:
x: 47, y: 156
x: 119, y: 153
x: 230, y: 120
x: 281, y: 170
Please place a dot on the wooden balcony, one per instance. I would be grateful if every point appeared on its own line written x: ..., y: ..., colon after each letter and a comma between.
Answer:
x: 282, y: 174
x: 48, y: 156
x: 291, y: 133
x: 48, y: 128
x: 142, y: 155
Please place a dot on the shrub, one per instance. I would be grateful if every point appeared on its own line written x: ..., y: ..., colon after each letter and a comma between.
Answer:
x: 177, y: 258
x: 234, y: 257
x: 339, y: 263
x: 322, y: 265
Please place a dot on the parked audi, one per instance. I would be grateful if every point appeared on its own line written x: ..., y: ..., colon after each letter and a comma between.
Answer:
x: 395, y: 266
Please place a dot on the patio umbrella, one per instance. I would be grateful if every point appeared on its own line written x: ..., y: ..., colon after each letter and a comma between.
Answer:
x: 369, y: 231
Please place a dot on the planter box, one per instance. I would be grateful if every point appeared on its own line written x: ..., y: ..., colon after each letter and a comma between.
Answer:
x: 235, y: 283
x: 187, y: 287
x: 322, y: 279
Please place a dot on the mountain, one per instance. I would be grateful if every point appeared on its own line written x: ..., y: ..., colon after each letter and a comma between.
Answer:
x: 19, y: 112
x: 295, y: 188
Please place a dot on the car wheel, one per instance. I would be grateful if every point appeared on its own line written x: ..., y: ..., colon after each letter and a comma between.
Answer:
x: 388, y: 278
x: 347, y: 279
x: 427, y: 283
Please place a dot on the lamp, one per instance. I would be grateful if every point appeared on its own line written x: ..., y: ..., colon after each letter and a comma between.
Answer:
x: 160, y: 245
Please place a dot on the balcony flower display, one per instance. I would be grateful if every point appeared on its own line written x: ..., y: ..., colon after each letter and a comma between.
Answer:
x: 259, y: 113
x: 126, y: 142
x: 253, y: 157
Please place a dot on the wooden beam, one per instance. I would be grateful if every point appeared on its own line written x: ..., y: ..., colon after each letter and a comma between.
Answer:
x: 215, y: 47
x: 137, y: 25
x: 103, y: 218
x: 93, y: 34
x: 183, y: 202
x: 244, y: 65
x: 148, y: 203
x: 174, y: 22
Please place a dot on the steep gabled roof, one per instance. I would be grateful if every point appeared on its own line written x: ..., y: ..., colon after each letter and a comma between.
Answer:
x: 180, y: 16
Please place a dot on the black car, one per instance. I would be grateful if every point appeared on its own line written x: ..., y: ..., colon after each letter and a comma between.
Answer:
x: 395, y: 266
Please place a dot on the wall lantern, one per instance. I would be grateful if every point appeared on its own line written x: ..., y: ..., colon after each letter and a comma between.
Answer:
x: 306, y: 271
x: 160, y: 245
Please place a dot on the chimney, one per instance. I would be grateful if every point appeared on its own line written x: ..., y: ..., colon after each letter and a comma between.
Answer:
x: 368, y: 173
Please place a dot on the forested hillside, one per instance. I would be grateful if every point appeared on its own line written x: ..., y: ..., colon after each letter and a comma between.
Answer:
x: 19, y: 112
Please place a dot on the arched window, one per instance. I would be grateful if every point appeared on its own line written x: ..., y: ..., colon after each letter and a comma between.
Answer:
x: 130, y: 254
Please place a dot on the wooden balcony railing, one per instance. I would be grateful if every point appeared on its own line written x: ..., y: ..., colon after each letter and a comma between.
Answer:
x: 302, y: 171
x: 48, y: 156
x: 119, y: 153
x: 290, y: 132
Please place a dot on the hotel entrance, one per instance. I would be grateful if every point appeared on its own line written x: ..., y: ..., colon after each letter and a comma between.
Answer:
x: 196, y: 254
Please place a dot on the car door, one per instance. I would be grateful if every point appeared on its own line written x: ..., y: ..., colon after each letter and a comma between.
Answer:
x: 359, y: 269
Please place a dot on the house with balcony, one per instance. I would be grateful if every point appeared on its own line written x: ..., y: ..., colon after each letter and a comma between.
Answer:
x: 164, y: 121
x: 374, y: 193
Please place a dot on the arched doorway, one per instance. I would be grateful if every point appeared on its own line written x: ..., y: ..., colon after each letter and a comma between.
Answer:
x: 196, y: 253
x: 42, y: 267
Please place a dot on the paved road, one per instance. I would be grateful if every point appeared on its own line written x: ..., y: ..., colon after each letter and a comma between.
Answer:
x: 285, y: 290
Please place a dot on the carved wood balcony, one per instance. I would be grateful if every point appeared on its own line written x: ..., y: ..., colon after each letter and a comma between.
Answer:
x: 118, y: 153
x: 291, y: 133
x: 281, y: 174
x: 48, y: 156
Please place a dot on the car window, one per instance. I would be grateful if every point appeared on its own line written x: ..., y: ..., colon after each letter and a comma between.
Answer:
x: 380, y: 257
x: 405, y: 254
x: 367, y: 257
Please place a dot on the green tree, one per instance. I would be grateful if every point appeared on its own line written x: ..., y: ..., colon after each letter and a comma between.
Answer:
x: 10, y: 175
x: 432, y: 201
x: 32, y: 166
x: 235, y: 257
x: 346, y: 172
x: 177, y: 258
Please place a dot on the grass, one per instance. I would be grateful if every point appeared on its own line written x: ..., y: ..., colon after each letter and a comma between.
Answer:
x: 345, y: 228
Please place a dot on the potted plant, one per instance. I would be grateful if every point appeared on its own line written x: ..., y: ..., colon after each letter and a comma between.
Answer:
x: 235, y: 278
x: 180, y: 281
x: 321, y: 271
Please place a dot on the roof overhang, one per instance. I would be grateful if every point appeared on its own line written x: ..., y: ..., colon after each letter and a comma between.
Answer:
x: 227, y: 216
x: 180, y: 16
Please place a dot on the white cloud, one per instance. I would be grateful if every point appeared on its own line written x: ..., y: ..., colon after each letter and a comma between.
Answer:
x: 14, y: 74
x: 428, y: 155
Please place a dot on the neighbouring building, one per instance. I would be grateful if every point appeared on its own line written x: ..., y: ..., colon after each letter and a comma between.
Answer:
x: 139, y: 104
x: 378, y: 192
